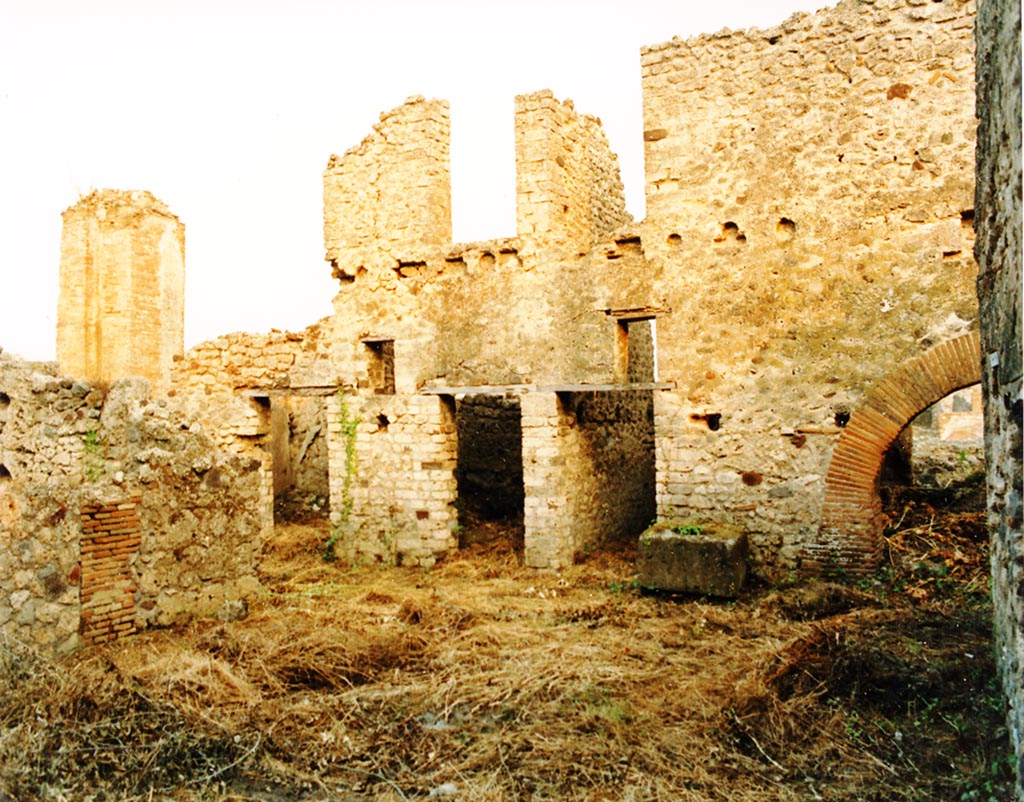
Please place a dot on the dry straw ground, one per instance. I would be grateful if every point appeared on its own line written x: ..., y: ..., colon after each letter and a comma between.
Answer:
x: 480, y: 680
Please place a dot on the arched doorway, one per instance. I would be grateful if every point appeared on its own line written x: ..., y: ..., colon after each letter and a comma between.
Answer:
x: 849, y: 537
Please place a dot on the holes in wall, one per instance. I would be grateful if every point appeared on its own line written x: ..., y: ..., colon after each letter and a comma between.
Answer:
x: 785, y: 229
x: 383, y: 422
x: 410, y: 269
x: 674, y: 240
x: 380, y: 364
x: 5, y: 474
x: 967, y: 218
x: 712, y: 419
x: 842, y: 417
x: 456, y: 264
x: 731, y: 233
x: 487, y: 260
x: 509, y: 258
x: 950, y: 254
x: 751, y: 478
x: 5, y: 402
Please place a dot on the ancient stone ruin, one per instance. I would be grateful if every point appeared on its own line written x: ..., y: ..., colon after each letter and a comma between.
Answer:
x: 801, y: 288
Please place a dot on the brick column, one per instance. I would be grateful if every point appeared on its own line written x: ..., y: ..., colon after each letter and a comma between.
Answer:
x: 111, y: 536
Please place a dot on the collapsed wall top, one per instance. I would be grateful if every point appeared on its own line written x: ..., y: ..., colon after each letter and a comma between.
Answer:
x: 387, y: 201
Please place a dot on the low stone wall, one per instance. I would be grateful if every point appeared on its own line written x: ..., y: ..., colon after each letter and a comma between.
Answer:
x: 116, y: 512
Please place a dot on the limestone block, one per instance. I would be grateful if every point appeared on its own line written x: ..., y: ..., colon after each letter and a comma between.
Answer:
x: 712, y: 563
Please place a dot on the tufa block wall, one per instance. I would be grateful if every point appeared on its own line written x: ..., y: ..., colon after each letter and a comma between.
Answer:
x: 588, y: 472
x: 999, y: 290
x: 121, y: 310
x: 392, y: 477
x: 568, y: 191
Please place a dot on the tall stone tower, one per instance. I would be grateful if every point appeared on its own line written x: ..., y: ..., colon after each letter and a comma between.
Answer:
x: 121, y: 310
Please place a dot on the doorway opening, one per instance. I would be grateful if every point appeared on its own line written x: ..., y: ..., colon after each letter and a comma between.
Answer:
x: 489, y: 475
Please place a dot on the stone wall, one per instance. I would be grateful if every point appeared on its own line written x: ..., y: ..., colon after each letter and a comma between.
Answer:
x: 999, y: 290
x: 588, y: 472
x: 392, y: 477
x: 568, y: 191
x: 237, y: 385
x: 121, y: 310
x: 809, y: 227
x: 390, y: 196
x: 112, y: 501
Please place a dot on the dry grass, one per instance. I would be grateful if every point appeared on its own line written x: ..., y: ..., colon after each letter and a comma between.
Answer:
x: 480, y: 680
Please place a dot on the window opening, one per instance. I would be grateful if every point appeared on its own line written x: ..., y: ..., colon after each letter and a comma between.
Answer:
x: 381, y: 365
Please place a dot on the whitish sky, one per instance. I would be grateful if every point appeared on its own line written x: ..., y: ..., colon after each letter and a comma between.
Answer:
x: 227, y: 110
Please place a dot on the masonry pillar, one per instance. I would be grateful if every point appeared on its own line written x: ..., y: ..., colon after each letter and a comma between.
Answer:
x: 121, y: 310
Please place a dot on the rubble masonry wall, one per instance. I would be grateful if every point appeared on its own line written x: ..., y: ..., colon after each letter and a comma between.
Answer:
x: 72, y: 453
x: 999, y: 291
x: 810, y: 230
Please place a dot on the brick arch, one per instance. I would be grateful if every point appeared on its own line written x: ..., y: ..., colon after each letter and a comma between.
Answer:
x: 849, y: 538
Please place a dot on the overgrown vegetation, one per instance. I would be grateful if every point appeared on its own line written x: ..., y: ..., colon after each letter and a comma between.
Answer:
x: 481, y: 680
x: 349, y: 427
x: 93, y: 457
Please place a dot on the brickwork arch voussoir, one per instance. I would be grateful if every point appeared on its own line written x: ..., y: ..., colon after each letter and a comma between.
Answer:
x: 849, y: 537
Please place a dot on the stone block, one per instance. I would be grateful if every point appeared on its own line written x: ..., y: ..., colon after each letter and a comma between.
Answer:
x: 711, y: 563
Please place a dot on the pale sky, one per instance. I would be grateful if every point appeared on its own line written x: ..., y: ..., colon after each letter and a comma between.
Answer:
x: 227, y: 110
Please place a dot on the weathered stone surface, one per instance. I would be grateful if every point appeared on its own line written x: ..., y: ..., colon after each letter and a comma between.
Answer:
x: 712, y: 563
x: 122, y: 288
x: 110, y: 499
x: 999, y: 290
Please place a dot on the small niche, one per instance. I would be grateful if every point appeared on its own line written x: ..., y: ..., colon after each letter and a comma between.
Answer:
x: 455, y: 264
x: 785, y: 229
x: 487, y: 260
x: 674, y: 240
x: 509, y: 258
x: 5, y: 474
